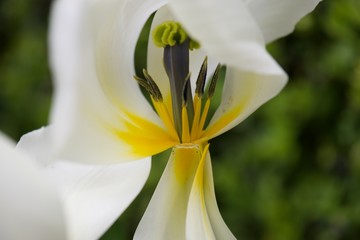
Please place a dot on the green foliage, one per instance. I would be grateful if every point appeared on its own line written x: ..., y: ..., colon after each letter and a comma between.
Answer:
x: 25, y: 85
x: 290, y: 171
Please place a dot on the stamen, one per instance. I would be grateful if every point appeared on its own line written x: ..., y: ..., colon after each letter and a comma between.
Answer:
x: 155, y: 89
x: 166, y: 118
x: 185, y: 134
x: 214, y: 79
x: 200, y: 82
x: 187, y: 99
x: 144, y: 84
x: 150, y: 86
x: 203, y: 117
x: 197, y: 115
x: 186, y: 88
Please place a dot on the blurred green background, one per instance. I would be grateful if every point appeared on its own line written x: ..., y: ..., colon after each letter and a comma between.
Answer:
x: 290, y: 171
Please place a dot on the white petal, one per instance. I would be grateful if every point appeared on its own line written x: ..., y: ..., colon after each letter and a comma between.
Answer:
x: 184, y: 205
x: 220, y: 27
x: 165, y: 215
x: 117, y: 28
x: 30, y: 206
x: 243, y: 93
x: 277, y: 18
x: 94, y: 196
x: 93, y: 90
x: 203, y: 217
x: 228, y: 32
x: 219, y: 227
x: 80, y: 110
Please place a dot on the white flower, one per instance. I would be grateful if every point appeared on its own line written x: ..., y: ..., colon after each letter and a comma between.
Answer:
x: 100, y: 115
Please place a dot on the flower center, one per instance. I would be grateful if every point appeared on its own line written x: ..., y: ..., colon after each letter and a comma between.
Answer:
x: 185, y: 120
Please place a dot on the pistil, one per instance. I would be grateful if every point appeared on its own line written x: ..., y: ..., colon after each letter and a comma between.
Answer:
x: 176, y: 63
x: 176, y: 43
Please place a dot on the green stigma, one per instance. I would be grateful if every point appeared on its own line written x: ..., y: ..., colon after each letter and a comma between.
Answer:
x: 170, y: 33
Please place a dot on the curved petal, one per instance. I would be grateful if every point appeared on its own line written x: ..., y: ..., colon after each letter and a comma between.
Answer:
x: 243, y: 93
x: 87, y: 119
x: 228, y: 32
x: 165, y: 215
x: 277, y: 18
x: 183, y: 205
x: 203, y: 220
x: 30, y: 206
x: 94, y: 195
x: 80, y: 109
x: 198, y: 225
x: 222, y: 27
x: 117, y: 26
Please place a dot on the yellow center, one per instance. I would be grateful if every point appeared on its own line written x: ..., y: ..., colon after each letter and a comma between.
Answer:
x: 147, y: 138
x: 183, y: 114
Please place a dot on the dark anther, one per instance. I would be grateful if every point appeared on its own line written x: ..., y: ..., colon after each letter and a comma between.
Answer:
x: 150, y: 86
x: 200, y: 82
x: 155, y: 89
x: 213, y: 81
x: 142, y: 82
x: 186, y: 93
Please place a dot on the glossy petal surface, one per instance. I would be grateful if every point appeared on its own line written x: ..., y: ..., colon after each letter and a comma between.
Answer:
x: 203, y: 219
x: 30, y: 206
x: 183, y: 205
x: 93, y: 196
x: 277, y: 18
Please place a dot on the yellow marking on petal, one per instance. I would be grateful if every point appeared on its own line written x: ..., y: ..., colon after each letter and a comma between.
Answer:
x: 199, y: 177
x: 186, y: 160
x: 198, y: 187
x: 185, y: 135
x: 144, y: 147
x: 144, y: 137
x: 223, y: 121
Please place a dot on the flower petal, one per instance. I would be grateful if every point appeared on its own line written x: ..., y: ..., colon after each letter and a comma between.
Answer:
x: 243, y: 93
x: 117, y: 27
x: 183, y: 205
x: 30, y: 206
x: 80, y: 110
x: 165, y: 215
x: 94, y: 195
x: 87, y: 119
x: 277, y: 18
x: 228, y: 32
x: 203, y: 219
x: 221, y: 28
